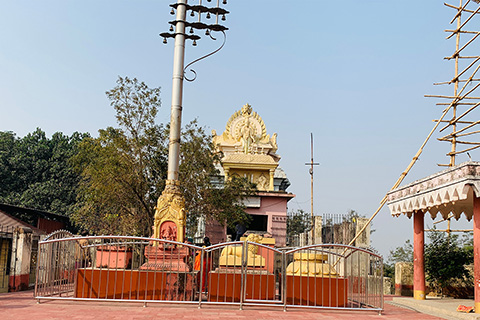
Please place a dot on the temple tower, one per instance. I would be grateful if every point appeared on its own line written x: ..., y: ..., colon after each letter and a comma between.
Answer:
x: 248, y: 151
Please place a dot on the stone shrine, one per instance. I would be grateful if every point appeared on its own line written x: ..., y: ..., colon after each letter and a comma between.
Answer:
x: 169, y: 224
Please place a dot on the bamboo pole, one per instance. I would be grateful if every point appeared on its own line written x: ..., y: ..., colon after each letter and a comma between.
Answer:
x: 450, y: 97
x: 461, y: 142
x: 469, y: 149
x: 458, y: 104
x: 463, y: 122
x: 468, y: 133
x: 460, y: 57
x: 461, y: 31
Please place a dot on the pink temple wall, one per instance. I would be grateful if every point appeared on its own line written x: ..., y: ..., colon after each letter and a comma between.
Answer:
x: 275, y: 207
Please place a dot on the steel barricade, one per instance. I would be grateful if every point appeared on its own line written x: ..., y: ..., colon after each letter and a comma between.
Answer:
x: 242, y: 273
x: 333, y: 276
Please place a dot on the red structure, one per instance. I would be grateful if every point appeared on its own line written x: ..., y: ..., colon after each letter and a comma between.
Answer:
x: 476, y: 251
x: 418, y: 256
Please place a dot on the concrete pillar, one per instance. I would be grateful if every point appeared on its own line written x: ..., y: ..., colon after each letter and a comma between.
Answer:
x: 404, y: 279
x: 318, y: 230
x: 363, y: 241
x: 476, y: 251
x: 418, y: 256
x: 21, y: 256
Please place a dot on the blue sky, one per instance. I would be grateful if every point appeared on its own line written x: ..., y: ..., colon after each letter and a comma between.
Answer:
x: 354, y: 73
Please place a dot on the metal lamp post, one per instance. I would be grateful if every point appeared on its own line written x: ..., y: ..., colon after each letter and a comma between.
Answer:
x: 180, y: 25
x: 171, y: 202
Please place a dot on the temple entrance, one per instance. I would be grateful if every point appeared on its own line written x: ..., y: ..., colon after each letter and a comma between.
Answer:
x: 258, y: 223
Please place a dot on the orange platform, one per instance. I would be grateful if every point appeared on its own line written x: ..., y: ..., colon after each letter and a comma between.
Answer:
x: 316, y: 291
x: 226, y: 287
x: 136, y: 285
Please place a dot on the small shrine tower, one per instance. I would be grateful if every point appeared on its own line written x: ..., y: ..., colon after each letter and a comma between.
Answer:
x: 248, y: 151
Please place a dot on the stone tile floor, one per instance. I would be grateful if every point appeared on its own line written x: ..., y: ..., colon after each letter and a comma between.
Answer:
x: 22, y: 305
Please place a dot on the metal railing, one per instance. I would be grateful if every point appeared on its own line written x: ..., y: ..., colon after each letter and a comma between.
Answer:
x: 242, y: 273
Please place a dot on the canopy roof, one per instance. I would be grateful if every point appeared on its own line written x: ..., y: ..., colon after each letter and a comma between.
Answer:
x: 448, y: 191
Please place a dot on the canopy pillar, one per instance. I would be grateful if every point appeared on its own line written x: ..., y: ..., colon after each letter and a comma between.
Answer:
x: 418, y: 256
x: 476, y: 251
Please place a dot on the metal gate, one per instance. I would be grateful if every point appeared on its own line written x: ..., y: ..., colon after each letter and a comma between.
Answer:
x: 241, y: 273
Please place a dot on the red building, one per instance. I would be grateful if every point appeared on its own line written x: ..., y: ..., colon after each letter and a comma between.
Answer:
x: 20, y: 231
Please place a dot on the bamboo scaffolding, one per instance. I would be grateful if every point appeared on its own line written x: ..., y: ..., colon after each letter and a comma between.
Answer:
x: 457, y: 98
x: 467, y: 127
x: 464, y: 23
x: 467, y: 111
x: 460, y: 9
x: 463, y: 9
x: 455, y: 120
x: 464, y: 70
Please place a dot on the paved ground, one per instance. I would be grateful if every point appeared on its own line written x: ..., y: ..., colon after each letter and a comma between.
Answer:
x: 21, y: 305
x: 446, y: 308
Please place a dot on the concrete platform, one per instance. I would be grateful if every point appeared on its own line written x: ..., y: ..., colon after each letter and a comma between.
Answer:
x: 444, y: 308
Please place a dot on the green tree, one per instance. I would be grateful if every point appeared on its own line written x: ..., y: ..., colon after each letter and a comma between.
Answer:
x: 445, y: 260
x: 124, y: 170
x: 226, y: 204
x: 298, y: 222
x: 402, y: 254
x: 35, y: 171
x: 399, y: 254
x: 202, y: 198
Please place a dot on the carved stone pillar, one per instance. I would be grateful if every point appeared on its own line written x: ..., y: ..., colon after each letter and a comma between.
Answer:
x: 169, y: 223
